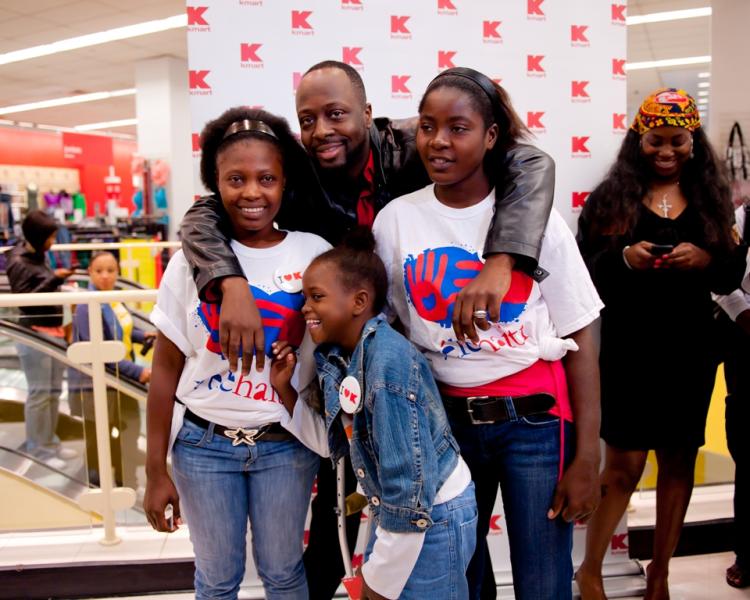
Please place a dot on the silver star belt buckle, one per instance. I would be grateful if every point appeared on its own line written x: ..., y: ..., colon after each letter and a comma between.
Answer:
x: 243, y: 436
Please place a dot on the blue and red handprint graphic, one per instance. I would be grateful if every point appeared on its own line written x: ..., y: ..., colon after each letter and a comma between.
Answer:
x: 434, y: 278
x: 280, y: 312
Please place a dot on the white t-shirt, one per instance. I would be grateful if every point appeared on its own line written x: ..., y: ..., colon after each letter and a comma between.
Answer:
x: 432, y: 251
x: 206, y: 386
x: 739, y: 300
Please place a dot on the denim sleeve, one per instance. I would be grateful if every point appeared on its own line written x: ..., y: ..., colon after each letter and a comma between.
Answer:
x: 407, y: 461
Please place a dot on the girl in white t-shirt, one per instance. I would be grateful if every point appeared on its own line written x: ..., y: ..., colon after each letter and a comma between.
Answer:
x: 513, y: 404
x: 245, y: 448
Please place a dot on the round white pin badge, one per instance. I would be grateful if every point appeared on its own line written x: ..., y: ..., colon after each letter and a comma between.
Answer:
x: 288, y: 279
x: 350, y: 395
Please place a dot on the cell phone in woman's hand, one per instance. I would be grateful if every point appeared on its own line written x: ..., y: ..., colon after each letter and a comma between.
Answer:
x: 661, y: 249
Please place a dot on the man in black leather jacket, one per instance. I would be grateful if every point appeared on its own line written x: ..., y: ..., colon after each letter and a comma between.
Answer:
x: 523, y: 207
x: 361, y: 164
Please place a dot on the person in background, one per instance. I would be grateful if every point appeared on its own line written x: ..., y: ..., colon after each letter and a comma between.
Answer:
x: 124, y: 411
x: 29, y: 272
x: 735, y: 327
x: 657, y: 237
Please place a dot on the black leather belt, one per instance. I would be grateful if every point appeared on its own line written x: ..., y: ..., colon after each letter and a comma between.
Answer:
x: 273, y: 432
x: 480, y: 410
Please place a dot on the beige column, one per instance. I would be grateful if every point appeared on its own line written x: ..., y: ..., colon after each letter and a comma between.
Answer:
x: 163, y: 111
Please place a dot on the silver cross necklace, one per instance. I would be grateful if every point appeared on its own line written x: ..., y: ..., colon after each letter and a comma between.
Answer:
x: 664, y: 206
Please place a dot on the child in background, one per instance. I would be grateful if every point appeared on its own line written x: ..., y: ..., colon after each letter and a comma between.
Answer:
x: 245, y: 448
x: 382, y: 406
x: 516, y: 409
x: 124, y: 411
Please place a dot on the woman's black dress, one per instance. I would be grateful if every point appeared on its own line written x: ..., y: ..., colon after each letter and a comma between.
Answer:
x: 659, y: 341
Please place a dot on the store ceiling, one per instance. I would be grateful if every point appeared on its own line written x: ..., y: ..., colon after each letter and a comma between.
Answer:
x: 111, y: 66
x: 658, y: 41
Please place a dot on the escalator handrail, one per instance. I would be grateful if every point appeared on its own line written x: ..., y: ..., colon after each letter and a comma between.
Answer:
x: 57, y: 349
x: 122, y: 283
x: 43, y: 464
x: 79, y: 275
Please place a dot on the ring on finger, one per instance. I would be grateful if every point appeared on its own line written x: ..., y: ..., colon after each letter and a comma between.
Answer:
x: 479, y: 314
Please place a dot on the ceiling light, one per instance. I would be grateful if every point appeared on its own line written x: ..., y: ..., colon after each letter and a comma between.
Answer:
x: 669, y: 62
x: 704, y: 84
x: 671, y: 15
x: 106, y: 124
x: 703, y: 92
x: 4, y: 110
x: 93, y: 39
x: 704, y: 74
x: 61, y: 129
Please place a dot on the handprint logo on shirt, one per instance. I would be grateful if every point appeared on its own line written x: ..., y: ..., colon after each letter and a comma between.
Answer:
x: 434, y: 278
x: 280, y: 313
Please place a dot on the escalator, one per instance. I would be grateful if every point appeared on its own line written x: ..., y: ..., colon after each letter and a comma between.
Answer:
x: 56, y: 484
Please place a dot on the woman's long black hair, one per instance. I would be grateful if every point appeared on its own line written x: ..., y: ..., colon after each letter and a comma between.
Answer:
x: 616, y: 201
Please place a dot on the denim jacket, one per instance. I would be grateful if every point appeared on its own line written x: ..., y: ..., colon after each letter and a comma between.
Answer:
x: 402, y: 448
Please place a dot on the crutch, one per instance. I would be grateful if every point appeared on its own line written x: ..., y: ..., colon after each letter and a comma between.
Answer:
x: 352, y: 584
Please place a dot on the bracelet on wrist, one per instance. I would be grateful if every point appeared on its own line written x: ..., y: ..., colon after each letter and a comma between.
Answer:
x: 625, y: 258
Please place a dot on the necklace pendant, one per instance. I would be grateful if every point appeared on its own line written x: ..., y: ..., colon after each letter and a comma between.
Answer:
x: 665, y: 206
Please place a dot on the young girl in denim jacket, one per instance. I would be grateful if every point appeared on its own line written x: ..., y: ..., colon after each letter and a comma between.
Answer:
x: 245, y: 448
x: 382, y: 406
x: 513, y: 404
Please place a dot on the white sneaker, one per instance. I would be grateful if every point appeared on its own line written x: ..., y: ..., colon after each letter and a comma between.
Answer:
x: 66, y: 453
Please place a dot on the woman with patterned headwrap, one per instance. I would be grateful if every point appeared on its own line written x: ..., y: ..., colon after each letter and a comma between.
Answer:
x: 657, y: 238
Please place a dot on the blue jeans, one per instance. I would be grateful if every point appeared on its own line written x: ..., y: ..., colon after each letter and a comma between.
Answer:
x: 222, y: 486
x: 521, y: 455
x: 440, y: 572
x: 44, y: 376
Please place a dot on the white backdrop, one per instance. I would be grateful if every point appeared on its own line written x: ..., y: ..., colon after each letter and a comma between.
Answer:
x: 561, y: 60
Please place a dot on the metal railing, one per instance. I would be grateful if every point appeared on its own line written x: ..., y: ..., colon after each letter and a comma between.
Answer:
x: 106, y: 246
x: 96, y: 353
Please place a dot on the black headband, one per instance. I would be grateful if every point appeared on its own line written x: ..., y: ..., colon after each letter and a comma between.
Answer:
x: 484, y: 82
x: 248, y: 125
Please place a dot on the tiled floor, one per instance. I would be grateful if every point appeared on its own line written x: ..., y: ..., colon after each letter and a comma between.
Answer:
x: 702, y: 578
x: 692, y: 578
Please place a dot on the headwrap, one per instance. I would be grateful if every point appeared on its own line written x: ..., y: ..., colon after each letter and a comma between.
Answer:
x: 667, y: 107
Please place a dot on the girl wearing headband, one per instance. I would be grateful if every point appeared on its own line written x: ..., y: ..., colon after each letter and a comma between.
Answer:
x: 243, y: 446
x: 657, y: 236
x: 523, y: 409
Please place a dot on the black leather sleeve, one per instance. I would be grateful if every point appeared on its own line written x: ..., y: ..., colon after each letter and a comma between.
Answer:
x: 523, y: 203
x: 206, y: 246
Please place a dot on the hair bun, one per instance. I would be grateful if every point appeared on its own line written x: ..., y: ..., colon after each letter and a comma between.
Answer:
x: 359, y: 239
